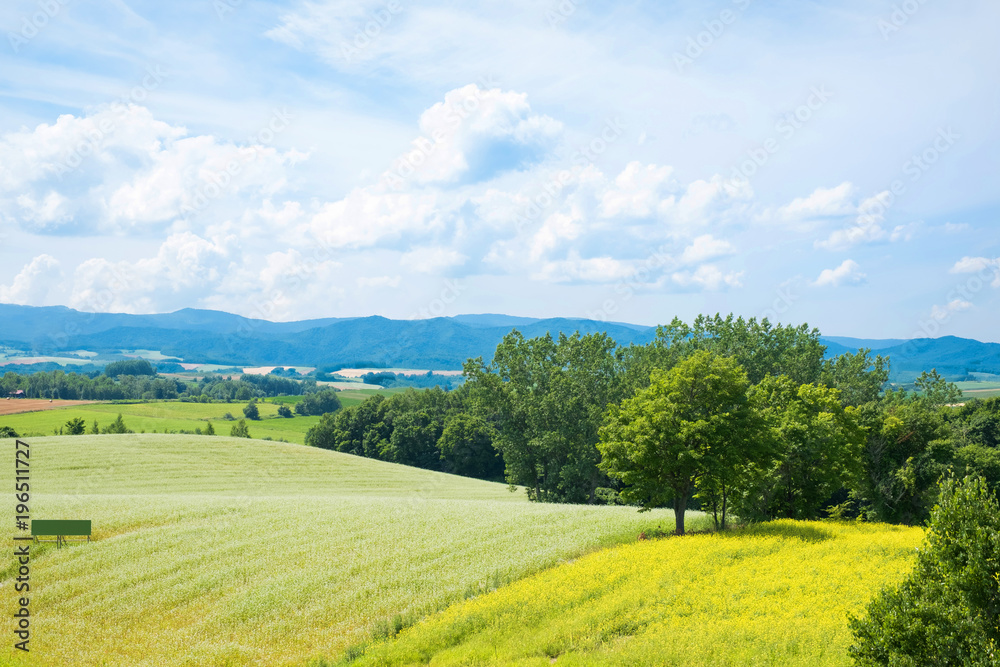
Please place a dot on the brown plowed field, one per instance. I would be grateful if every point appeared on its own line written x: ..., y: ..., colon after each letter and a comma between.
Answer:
x: 12, y: 406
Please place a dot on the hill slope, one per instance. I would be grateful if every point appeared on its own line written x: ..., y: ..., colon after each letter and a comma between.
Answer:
x: 215, y: 551
x: 776, y: 594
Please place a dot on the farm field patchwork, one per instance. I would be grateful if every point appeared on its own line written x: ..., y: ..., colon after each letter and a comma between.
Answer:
x: 228, y: 551
x: 775, y: 594
x: 162, y: 416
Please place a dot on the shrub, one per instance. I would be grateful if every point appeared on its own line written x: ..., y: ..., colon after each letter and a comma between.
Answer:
x: 251, y: 411
x: 117, y: 426
x: 946, y: 612
x: 284, y: 411
x: 8, y: 432
x: 240, y: 430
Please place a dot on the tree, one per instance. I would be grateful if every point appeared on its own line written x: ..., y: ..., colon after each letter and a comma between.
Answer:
x: 945, y: 612
x: 285, y: 411
x: 8, y: 432
x: 117, y: 426
x: 251, y: 411
x: 759, y: 347
x: 694, y: 423
x: 129, y: 367
x: 817, y: 446
x: 906, y: 451
x: 466, y: 447
x: 209, y: 430
x: 319, y: 403
x: 76, y: 426
x: 240, y: 430
x: 95, y: 429
x: 546, y: 398
x: 859, y: 377
x: 935, y: 390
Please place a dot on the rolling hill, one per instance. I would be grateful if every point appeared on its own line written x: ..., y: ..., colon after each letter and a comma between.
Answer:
x: 227, y: 551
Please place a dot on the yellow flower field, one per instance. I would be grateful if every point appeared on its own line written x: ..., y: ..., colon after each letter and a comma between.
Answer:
x: 775, y: 594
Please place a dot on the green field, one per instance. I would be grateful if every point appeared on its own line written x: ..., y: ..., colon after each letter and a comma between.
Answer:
x: 978, y: 389
x: 227, y: 551
x: 176, y: 416
x: 775, y: 594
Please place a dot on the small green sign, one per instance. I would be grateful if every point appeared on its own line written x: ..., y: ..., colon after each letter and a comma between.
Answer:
x: 60, y: 527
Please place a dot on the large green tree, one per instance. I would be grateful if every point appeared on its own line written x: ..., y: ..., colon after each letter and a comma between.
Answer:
x: 546, y: 398
x: 760, y: 347
x: 947, y: 611
x: 693, y: 424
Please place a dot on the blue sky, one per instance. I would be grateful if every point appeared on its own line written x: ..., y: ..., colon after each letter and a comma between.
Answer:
x: 825, y: 162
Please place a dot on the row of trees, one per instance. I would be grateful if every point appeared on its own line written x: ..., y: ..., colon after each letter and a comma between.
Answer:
x: 430, y: 429
x: 726, y: 414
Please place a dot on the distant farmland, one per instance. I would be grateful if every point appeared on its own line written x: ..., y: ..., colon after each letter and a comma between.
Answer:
x: 171, y: 416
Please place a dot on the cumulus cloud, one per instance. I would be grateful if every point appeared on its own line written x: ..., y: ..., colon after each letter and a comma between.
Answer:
x: 185, y: 267
x: 706, y: 247
x: 34, y: 282
x: 848, y: 273
x: 473, y: 132
x: 867, y: 225
x: 119, y: 170
x: 822, y: 203
x: 982, y: 265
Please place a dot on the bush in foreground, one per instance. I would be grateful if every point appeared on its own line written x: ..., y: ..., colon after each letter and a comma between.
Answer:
x: 947, y: 612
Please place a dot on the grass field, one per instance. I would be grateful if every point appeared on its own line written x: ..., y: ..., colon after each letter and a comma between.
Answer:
x: 978, y: 389
x: 776, y: 594
x: 227, y: 551
x: 174, y: 416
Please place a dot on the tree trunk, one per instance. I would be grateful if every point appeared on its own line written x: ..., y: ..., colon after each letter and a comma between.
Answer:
x: 680, y: 505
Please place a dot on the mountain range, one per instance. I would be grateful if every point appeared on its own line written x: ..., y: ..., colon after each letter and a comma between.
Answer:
x: 206, y: 336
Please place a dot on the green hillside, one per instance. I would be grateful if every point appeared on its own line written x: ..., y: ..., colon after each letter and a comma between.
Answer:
x: 223, y: 551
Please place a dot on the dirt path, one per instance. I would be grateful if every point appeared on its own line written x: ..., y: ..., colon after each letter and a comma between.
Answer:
x: 12, y: 406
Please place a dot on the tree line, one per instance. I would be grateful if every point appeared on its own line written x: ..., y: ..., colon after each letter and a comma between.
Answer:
x: 139, y: 380
x: 729, y: 415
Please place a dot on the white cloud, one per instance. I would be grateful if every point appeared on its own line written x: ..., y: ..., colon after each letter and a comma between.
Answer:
x: 822, y: 203
x: 706, y: 247
x: 185, y: 267
x: 590, y: 270
x: 34, y: 282
x: 848, y: 273
x: 120, y: 170
x: 486, y: 130
x: 984, y: 266
x: 639, y: 191
x: 708, y: 277
x: 942, y: 313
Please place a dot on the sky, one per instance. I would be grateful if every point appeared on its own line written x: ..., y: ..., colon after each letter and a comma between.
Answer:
x: 825, y: 162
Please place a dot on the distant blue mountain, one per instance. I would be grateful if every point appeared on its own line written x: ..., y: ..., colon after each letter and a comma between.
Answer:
x: 206, y: 336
